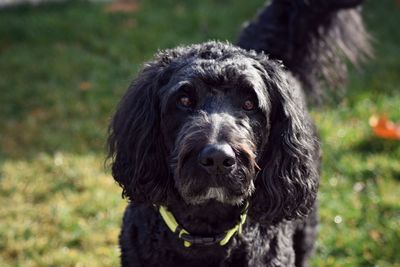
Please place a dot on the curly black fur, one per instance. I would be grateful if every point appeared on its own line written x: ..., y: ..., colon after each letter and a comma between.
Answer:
x: 191, y: 100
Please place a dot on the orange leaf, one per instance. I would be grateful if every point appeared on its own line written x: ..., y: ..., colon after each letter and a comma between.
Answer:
x: 126, y: 6
x: 384, y: 128
x: 85, y: 86
x: 38, y: 113
x: 375, y: 235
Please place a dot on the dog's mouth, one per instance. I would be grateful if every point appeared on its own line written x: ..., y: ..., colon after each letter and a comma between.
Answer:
x: 200, y: 189
x: 222, y: 195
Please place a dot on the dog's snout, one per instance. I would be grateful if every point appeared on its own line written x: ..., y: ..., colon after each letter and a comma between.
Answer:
x: 217, y: 158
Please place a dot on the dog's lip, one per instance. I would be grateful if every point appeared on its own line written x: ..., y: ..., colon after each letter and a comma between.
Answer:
x: 220, y: 194
x: 213, y: 191
x: 229, y: 192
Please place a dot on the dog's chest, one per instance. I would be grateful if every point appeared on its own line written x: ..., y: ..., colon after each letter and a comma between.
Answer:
x: 254, y: 247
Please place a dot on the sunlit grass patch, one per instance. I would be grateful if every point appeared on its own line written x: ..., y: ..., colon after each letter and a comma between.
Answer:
x: 59, y: 210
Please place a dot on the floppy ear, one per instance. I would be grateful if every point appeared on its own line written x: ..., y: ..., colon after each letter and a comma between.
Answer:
x: 135, y: 142
x: 287, y: 184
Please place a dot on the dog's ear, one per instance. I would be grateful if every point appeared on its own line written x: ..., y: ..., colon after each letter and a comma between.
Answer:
x: 287, y: 184
x: 135, y: 143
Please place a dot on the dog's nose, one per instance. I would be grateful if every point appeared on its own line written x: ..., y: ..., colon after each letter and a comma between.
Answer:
x: 217, y: 158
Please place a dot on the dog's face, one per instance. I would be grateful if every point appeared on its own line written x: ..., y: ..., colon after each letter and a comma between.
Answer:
x: 213, y: 119
x: 215, y: 122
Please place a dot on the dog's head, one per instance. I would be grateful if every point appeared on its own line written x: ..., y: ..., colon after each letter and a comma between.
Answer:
x: 215, y: 122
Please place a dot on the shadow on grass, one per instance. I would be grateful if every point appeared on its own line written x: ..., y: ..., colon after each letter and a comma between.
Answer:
x: 373, y: 145
x: 42, y: 7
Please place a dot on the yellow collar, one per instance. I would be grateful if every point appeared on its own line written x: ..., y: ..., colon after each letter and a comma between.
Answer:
x: 189, y: 239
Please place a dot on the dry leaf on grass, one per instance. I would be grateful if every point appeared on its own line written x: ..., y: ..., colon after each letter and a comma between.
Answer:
x: 384, y: 128
x: 85, y: 86
x: 125, y: 6
x: 38, y: 113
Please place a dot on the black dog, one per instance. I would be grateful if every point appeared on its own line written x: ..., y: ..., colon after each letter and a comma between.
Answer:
x: 214, y: 147
x: 312, y: 38
x: 192, y: 133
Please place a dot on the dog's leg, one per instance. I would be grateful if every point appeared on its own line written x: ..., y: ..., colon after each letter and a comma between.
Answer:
x: 304, y: 238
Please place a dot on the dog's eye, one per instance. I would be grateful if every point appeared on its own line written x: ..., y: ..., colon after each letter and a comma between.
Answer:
x: 185, y: 101
x: 248, y: 105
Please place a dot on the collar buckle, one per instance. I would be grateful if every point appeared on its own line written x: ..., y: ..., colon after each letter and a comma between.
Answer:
x: 202, y: 240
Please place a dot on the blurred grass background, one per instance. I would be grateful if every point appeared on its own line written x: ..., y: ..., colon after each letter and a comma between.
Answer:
x: 63, y: 68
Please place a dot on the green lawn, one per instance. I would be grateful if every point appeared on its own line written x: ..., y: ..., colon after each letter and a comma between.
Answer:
x: 64, y: 67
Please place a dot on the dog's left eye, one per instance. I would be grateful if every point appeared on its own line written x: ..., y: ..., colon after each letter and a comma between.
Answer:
x: 249, y: 105
x: 185, y: 101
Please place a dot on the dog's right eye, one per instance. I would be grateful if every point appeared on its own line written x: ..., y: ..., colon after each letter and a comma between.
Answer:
x: 249, y: 105
x: 185, y: 101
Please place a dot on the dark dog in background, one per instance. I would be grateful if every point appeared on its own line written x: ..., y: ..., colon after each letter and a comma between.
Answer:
x: 209, y: 134
x: 313, y: 38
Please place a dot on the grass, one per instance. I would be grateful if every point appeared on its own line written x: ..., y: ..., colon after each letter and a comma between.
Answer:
x: 63, y: 68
